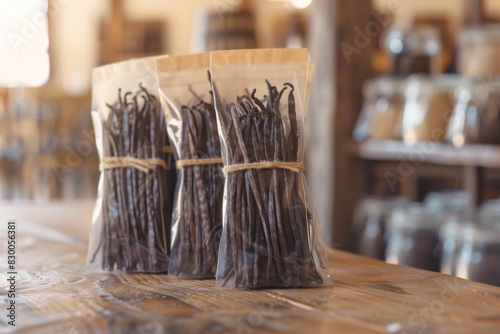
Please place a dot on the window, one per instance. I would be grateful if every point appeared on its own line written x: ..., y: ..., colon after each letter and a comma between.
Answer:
x: 24, y: 43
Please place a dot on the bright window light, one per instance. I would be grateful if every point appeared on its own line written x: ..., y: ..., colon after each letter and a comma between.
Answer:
x: 301, y: 4
x: 24, y: 43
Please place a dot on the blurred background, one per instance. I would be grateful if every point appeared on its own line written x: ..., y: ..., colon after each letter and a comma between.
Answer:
x: 403, y: 156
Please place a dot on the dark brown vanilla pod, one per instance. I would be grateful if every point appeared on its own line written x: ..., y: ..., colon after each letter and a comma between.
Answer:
x: 192, y: 125
x: 131, y: 225
x: 270, y: 234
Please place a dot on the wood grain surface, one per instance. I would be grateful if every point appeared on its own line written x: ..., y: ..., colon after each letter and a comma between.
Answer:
x: 55, y: 295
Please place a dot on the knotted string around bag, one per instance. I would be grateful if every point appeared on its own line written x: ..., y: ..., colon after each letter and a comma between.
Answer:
x: 143, y: 165
x: 196, y: 162
x: 296, y: 167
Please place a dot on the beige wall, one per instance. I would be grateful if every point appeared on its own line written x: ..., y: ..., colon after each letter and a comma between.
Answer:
x: 74, y: 38
x: 75, y: 26
x: 454, y: 9
x: 75, y: 30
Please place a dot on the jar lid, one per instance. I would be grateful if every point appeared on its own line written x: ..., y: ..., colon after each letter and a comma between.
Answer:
x: 449, y: 201
x: 426, y: 39
x: 477, y: 89
x: 480, y: 233
x: 433, y: 82
x: 489, y: 33
x: 489, y: 214
x: 416, y: 217
x: 377, y: 206
x: 384, y: 85
x: 454, y: 228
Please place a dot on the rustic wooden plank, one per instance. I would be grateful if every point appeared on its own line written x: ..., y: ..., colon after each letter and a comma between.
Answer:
x: 352, y: 71
x: 368, y: 296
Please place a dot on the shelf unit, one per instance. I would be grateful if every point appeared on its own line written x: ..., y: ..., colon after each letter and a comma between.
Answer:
x: 428, y: 152
x: 350, y: 169
x: 399, y: 163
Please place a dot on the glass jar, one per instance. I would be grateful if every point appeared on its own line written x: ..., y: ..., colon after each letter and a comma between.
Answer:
x: 449, y: 201
x: 381, y: 112
x: 489, y: 214
x: 479, y: 258
x: 451, y: 239
x: 428, y: 104
x: 370, y: 224
x: 413, y: 238
x: 413, y: 51
x: 479, y: 51
x: 476, y: 115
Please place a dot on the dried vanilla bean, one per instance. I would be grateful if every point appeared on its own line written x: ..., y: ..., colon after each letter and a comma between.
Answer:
x: 137, y: 204
x: 267, y: 236
x: 195, y: 245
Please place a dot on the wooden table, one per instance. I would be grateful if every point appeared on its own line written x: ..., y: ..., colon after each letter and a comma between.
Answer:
x: 54, y: 295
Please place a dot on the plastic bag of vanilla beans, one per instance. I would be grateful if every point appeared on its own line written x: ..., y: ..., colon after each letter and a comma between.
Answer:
x: 271, y: 235
x: 186, y: 97
x: 131, y: 221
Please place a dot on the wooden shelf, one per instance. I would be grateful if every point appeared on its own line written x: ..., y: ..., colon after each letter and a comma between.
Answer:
x: 428, y: 152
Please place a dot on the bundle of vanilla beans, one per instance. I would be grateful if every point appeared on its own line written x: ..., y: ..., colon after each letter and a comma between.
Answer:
x: 268, y: 233
x: 195, y: 244
x: 137, y: 204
